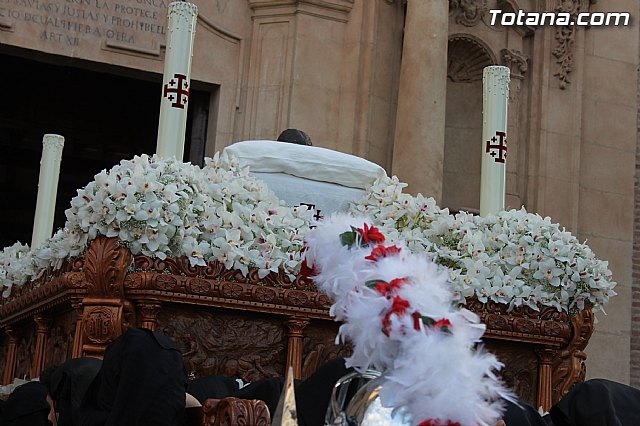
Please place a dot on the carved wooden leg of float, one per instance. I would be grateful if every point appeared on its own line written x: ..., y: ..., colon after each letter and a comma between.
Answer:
x: 105, y: 268
x: 149, y: 312
x: 10, y: 367
x: 570, y: 366
x: 78, y: 337
x: 43, y: 326
x: 545, y: 377
x: 296, y: 327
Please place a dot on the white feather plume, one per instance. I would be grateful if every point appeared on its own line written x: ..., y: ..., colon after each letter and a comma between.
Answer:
x: 397, y: 310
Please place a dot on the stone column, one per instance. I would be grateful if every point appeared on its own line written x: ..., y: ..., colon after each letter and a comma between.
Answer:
x: 43, y: 325
x: 296, y: 328
x: 418, y: 148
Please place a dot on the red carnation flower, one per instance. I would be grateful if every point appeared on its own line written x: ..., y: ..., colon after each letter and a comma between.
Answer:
x: 436, y: 422
x: 306, y: 271
x: 371, y: 235
x: 443, y: 324
x: 399, y: 307
x: 381, y: 251
x: 386, y: 288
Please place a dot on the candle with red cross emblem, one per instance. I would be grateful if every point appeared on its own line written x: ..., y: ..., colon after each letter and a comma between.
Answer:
x: 494, y: 139
x: 177, y: 79
x: 47, y: 189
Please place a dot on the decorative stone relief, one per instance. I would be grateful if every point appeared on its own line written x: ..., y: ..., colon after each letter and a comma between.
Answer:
x: 516, y: 61
x: 467, y: 12
x: 565, y: 37
x: 467, y: 58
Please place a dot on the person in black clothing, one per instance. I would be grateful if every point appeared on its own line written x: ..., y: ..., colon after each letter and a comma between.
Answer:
x: 26, y: 406
x: 596, y: 402
x: 66, y: 385
x: 142, y: 381
x: 312, y: 394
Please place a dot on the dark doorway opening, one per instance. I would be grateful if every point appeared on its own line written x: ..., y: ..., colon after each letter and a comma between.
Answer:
x: 104, y: 118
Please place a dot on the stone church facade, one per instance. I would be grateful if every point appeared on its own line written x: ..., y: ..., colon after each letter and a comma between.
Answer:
x: 396, y: 82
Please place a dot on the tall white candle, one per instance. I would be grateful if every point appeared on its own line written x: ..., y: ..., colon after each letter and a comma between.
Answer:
x: 495, y: 81
x: 47, y: 189
x: 176, y: 84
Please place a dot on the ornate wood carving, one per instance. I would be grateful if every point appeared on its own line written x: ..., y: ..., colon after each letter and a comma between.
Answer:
x: 565, y: 37
x: 24, y: 351
x: 105, y: 267
x: 78, y: 337
x: 467, y: 58
x: 545, y: 373
x: 319, y: 347
x: 59, y: 345
x: 569, y: 366
x: 4, y: 350
x: 468, y: 12
x: 547, y: 326
x: 242, y: 326
x: 218, y: 292
x: 43, y: 325
x: 242, y: 345
x: 149, y: 312
x: 213, y: 271
x: 235, y: 412
x: 296, y: 328
x: 520, y: 371
x: 517, y: 62
x: 14, y: 334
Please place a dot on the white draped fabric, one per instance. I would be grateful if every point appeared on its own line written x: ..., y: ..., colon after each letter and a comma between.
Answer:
x: 300, y: 174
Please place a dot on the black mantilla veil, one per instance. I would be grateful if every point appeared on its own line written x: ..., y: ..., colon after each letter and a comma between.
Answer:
x: 67, y: 384
x: 26, y: 406
x: 598, y: 402
x: 142, y: 382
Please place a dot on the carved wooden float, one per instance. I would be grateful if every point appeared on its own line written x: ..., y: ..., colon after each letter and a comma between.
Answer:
x: 245, y: 326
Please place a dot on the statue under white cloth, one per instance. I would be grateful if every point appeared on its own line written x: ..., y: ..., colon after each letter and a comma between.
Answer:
x: 302, y: 174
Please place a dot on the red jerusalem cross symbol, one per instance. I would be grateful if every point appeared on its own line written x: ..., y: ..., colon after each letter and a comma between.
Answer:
x: 501, y: 147
x: 177, y: 91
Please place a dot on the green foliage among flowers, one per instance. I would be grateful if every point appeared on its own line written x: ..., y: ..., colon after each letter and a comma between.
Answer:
x: 166, y: 208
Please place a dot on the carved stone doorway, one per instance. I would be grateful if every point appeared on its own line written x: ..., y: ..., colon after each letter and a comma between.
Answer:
x: 104, y: 116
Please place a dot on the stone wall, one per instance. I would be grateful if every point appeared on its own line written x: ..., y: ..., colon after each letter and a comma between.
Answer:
x: 606, y: 179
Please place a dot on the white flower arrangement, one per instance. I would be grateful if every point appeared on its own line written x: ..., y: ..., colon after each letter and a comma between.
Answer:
x: 515, y: 257
x: 164, y: 208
